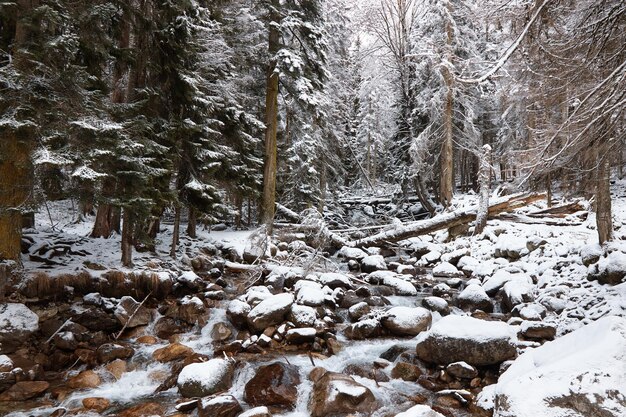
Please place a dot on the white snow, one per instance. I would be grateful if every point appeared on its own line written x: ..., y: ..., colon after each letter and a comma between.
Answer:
x: 474, y: 293
x: 590, y: 363
x: 351, y: 253
x: 466, y: 327
x: 420, y: 410
x: 17, y: 317
x: 189, y: 277
x: 270, y: 304
x: 335, y: 279
x: 374, y: 262
x: 393, y: 280
x: 254, y: 412
x: 446, y: 269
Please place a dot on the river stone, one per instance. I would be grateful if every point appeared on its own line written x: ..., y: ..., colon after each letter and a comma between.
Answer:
x: 237, y: 312
x: 95, y: 319
x: 274, y: 385
x: 335, y: 393
x: 219, y: 406
x: 131, y: 313
x: 172, y: 352
x: 358, y: 310
x: 406, y: 371
x: 463, y: 338
x: 407, y: 321
x: 537, y: 330
x: 437, y: 304
x: 98, y: 404
x: 190, y: 310
x: 17, y: 323
x: 256, y: 412
x: 166, y: 327
x: 85, y: 379
x: 373, y: 263
x: 205, y: 378
x: 111, y: 351
x: 270, y: 312
x: 221, y: 332
x: 462, y: 370
x: 364, y: 329
x: 143, y: 410
x: 24, y: 390
x: 420, y: 411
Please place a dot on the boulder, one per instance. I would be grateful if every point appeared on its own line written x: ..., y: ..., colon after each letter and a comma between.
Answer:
x: 407, y: 321
x: 237, y: 312
x: 510, y: 246
x: 436, y: 304
x: 406, y: 371
x: 172, y: 352
x: 205, y: 378
x: 358, y: 310
x: 270, y: 312
x: 111, y: 351
x: 364, y: 329
x: 190, y: 310
x: 166, y: 327
x: 300, y: 335
x: 335, y: 393
x: 85, y: 379
x: 131, y: 313
x: 117, y: 368
x: 256, y: 412
x: 97, y: 404
x: 17, y: 324
x: 610, y: 269
x: 24, y: 390
x: 351, y: 253
x: 221, y: 332
x: 335, y: 280
x: 515, y: 293
x: 537, y: 330
x: 274, y: 385
x: 302, y: 316
x: 6, y: 364
x: 474, y: 297
x: 143, y: 410
x: 462, y: 370
x: 399, y: 283
x: 96, y: 320
x: 580, y: 374
x: 447, y: 270
x: 463, y: 338
x: 219, y: 406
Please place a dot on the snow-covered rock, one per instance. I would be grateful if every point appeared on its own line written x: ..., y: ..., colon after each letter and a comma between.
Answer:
x: 464, y: 338
x: 132, y: 314
x: 373, y: 263
x: 205, y: 378
x: 474, y: 297
x: 610, y: 269
x: 495, y: 282
x: 510, y: 246
x: 270, y: 311
x: 420, y: 410
x: 351, y: 253
x: 515, y: 293
x: 17, y: 323
x: 590, y: 254
x: 406, y: 320
x: 335, y: 393
x: 335, y: 280
x: 393, y: 280
x: 300, y: 335
x: 446, y: 269
x: 237, y: 312
x: 436, y: 304
x: 302, y: 316
x: 309, y: 293
x: 578, y: 375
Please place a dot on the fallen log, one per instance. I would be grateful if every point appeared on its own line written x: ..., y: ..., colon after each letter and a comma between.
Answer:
x: 445, y: 221
x: 526, y: 219
x: 561, y: 210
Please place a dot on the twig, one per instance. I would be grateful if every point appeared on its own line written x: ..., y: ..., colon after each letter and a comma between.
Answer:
x: 58, y: 330
x: 311, y: 358
x: 132, y: 316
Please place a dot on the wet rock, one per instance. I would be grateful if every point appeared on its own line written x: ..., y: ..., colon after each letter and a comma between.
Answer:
x: 132, y: 314
x: 300, y: 335
x: 24, y: 390
x: 463, y: 338
x: 274, y: 385
x: 206, y: 378
x: 462, y: 370
x: 334, y: 346
x: 97, y: 404
x: 143, y: 410
x: 166, y: 327
x: 147, y: 340
x: 436, y: 304
x: 358, y: 310
x: 172, y: 352
x: 117, y: 368
x: 65, y: 341
x: 406, y: 371
x: 335, y: 393
x: 270, y: 311
x: 237, y: 312
x: 407, y: 321
x: 17, y: 324
x: 537, y: 330
x: 111, y: 351
x: 364, y: 329
x: 373, y: 263
x: 474, y: 297
x: 393, y: 352
x: 85, y: 379
x: 221, y: 332
x: 95, y: 319
x: 366, y: 370
x: 219, y: 406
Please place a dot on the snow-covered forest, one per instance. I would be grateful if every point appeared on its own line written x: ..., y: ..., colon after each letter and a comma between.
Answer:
x: 253, y: 208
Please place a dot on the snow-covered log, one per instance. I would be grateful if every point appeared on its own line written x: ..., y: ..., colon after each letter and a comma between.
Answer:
x: 445, y: 221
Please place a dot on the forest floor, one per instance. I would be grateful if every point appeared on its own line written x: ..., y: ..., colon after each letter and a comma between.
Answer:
x: 521, y: 320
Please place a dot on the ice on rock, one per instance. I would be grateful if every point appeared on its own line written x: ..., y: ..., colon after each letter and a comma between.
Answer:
x: 579, y: 374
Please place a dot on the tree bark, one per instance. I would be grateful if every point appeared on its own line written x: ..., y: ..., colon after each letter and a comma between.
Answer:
x: 271, y: 122
x: 192, y: 223
x: 127, y: 238
x: 484, y: 178
x: 176, y: 233
x: 446, y: 179
x: 604, y: 221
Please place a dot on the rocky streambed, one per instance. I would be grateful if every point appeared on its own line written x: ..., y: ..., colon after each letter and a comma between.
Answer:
x: 427, y: 330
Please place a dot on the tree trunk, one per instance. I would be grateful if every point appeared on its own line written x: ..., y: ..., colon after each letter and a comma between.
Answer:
x: 604, y: 221
x: 323, y: 181
x: 239, y: 205
x: 446, y: 180
x: 549, y: 190
x: 127, y: 238
x: 192, y: 223
x: 484, y: 178
x: 271, y: 122
x: 176, y: 233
